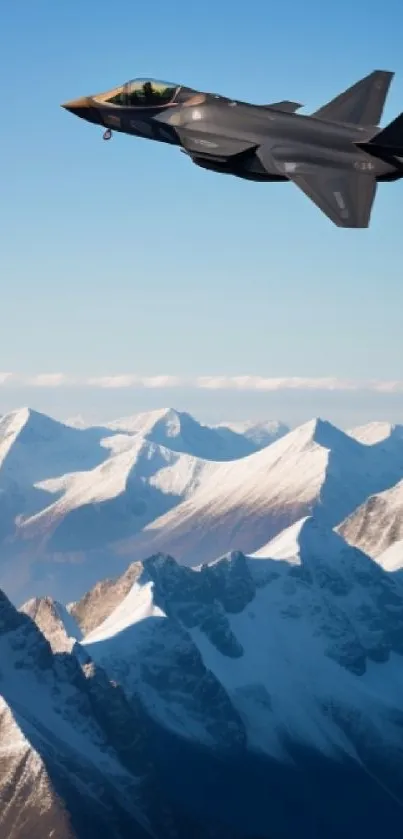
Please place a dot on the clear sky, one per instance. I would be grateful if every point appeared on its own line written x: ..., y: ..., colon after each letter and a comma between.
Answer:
x: 124, y: 259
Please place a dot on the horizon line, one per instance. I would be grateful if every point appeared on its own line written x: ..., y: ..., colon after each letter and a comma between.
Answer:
x: 136, y: 381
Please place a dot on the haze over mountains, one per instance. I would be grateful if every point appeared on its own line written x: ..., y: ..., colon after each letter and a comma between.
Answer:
x: 211, y: 638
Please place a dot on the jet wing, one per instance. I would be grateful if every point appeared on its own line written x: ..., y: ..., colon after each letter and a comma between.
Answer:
x: 286, y: 107
x: 345, y: 197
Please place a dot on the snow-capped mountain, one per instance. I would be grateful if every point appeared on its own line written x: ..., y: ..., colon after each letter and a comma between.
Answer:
x: 180, y: 432
x: 93, y: 510
x: 134, y: 486
x: 377, y: 432
x: 261, y: 434
x: 301, y: 655
x: 80, y: 504
x: 76, y: 757
x: 34, y: 447
x: 377, y: 523
x: 315, y: 468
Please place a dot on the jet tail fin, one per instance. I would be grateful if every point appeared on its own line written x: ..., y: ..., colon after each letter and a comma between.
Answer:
x: 362, y: 104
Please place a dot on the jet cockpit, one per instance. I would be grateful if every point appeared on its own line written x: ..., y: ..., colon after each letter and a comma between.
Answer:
x: 141, y: 93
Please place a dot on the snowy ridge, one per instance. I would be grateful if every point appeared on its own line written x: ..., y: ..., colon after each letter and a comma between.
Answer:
x: 180, y: 432
x: 261, y: 434
x: 377, y: 432
x: 95, y: 509
x: 143, y: 463
x: 327, y: 625
x: 77, y: 760
x: 34, y: 447
x: 315, y: 468
x: 98, y: 603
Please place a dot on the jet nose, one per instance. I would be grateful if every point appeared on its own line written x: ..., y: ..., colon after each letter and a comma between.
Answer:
x: 84, y: 108
x: 78, y: 106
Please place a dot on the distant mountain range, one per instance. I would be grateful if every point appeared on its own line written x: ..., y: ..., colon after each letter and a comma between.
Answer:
x: 90, y: 500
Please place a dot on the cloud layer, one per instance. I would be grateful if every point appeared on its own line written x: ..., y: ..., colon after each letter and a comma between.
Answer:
x: 218, y: 383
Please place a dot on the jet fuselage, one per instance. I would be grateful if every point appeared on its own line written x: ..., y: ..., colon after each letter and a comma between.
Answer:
x: 262, y: 142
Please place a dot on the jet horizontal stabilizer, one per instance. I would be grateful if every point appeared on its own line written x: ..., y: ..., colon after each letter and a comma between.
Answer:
x: 362, y: 104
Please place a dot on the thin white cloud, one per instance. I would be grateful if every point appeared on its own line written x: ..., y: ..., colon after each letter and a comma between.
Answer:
x: 127, y: 381
x: 112, y: 381
x: 5, y: 377
x: 218, y: 383
x: 50, y: 380
x: 273, y: 384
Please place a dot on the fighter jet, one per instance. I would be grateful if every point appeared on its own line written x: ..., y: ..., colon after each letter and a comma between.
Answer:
x: 337, y: 155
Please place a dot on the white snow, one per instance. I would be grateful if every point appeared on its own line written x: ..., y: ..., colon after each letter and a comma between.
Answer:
x: 180, y: 432
x: 247, y: 502
x: 260, y: 432
x: 285, y: 678
x: 284, y: 546
x: 140, y: 464
x: 136, y: 606
x: 392, y: 558
x: 376, y: 432
x: 34, y: 447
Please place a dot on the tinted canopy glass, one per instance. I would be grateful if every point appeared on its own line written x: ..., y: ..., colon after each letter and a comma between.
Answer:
x: 141, y: 93
x: 145, y: 92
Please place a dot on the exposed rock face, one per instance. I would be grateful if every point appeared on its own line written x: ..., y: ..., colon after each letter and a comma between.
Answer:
x: 75, y: 754
x: 101, y: 600
x: 377, y: 524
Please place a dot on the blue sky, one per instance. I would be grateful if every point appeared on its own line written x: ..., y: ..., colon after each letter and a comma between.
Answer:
x: 123, y: 259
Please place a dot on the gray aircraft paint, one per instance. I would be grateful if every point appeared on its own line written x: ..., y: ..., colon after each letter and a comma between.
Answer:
x: 336, y: 156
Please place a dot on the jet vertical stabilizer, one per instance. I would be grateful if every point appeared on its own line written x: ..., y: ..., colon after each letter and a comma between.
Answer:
x: 362, y: 104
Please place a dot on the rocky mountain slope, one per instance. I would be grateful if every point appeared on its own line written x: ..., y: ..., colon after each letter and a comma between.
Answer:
x: 378, y: 523
x: 76, y: 757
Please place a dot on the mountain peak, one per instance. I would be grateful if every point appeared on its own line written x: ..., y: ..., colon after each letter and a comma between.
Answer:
x: 377, y: 432
x: 307, y: 536
x: 28, y: 426
x: 53, y: 619
x: 9, y: 617
x: 261, y: 433
x: 181, y: 432
x: 323, y: 433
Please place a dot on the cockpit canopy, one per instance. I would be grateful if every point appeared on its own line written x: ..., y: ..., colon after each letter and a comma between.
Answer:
x: 142, y: 93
